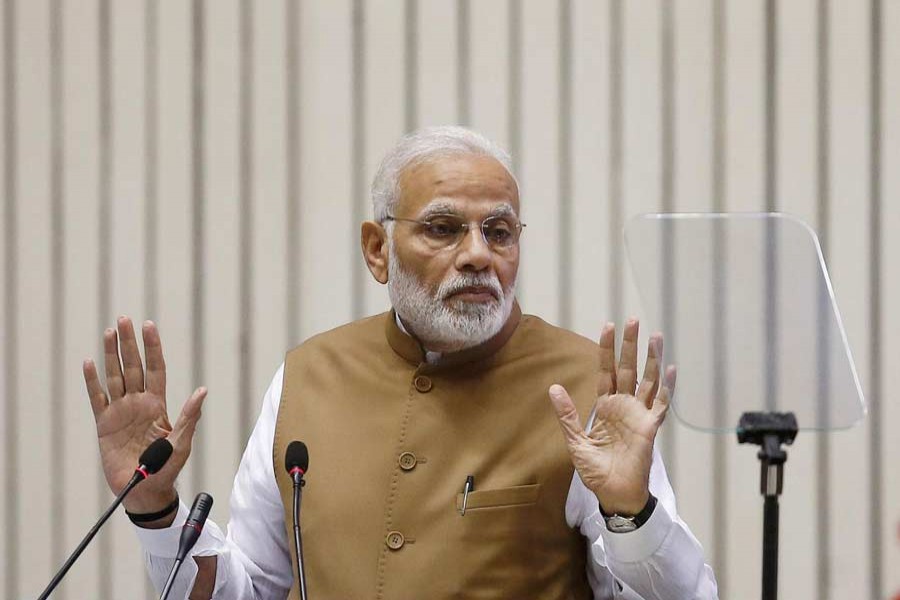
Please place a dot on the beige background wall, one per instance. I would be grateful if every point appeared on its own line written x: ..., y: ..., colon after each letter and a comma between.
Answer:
x: 205, y: 164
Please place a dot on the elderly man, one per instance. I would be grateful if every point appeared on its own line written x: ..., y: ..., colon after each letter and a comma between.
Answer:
x: 400, y: 410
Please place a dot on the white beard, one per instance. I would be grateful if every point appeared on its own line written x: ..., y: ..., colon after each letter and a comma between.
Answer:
x: 448, y: 326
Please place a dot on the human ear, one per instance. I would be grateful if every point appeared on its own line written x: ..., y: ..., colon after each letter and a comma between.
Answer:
x: 375, y: 249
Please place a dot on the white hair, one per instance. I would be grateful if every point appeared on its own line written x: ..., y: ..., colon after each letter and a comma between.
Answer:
x: 420, y: 147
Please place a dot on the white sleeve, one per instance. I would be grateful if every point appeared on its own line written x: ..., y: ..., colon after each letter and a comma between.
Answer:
x: 660, y: 560
x: 253, y: 560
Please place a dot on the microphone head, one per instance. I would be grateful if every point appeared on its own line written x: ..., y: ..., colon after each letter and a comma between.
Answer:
x: 190, y: 531
x: 296, y: 456
x: 156, y: 455
x: 200, y: 509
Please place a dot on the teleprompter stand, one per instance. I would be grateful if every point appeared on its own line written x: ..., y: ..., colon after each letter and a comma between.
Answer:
x: 749, y: 294
x: 769, y: 430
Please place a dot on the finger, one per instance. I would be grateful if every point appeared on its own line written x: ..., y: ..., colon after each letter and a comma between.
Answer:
x: 566, y: 413
x: 666, y: 392
x: 115, y: 383
x: 156, y: 364
x: 626, y: 376
x: 606, y: 382
x: 186, y: 424
x: 133, y: 368
x: 98, y: 398
x: 650, y: 382
x: 670, y: 378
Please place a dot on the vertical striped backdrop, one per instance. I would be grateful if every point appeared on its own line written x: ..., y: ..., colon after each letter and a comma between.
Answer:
x: 206, y: 165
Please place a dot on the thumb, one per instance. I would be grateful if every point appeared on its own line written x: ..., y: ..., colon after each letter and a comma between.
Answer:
x: 566, y: 413
x: 662, y: 401
x: 187, y: 420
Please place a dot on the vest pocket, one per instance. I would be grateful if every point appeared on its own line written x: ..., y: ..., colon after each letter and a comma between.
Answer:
x: 511, y: 496
x: 501, y: 543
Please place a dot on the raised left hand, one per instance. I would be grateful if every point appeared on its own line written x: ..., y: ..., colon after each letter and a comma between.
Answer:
x: 613, y: 458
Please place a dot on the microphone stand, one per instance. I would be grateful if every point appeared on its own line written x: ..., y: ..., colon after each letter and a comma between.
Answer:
x: 172, y: 573
x: 299, y: 482
x: 171, y: 580
x: 138, y: 477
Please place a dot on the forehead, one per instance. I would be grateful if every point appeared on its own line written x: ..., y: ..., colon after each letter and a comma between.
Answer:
x: 469, y: 184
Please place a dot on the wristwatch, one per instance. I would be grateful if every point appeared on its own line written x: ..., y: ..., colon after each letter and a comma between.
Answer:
x: 624, y: 523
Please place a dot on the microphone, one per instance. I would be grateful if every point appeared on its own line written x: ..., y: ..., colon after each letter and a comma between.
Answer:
x: 296, y: 463
x: 150, y: 461
x: 154, y: 457
x: 190, y: 533
x: 296, y: 460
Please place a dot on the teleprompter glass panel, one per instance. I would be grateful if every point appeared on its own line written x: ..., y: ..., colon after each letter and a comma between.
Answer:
x: 749, y: 317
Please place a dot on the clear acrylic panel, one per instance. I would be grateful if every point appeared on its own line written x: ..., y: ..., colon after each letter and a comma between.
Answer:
x: 749, y: 318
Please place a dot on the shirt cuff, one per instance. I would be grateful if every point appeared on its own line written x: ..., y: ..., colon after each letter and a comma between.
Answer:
x: 163, y: 543
x: 640, y: 544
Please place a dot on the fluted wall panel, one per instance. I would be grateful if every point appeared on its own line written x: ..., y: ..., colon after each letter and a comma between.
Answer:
x: 207, y: 164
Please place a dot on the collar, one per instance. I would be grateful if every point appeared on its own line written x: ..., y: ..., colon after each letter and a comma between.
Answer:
x: 412, y: 351
x: 430, y: 357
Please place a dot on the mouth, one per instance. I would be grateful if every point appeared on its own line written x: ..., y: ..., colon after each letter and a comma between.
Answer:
x: 473, y: 294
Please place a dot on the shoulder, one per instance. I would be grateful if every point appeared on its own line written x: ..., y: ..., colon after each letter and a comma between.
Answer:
x: 545, y: 347
x: 355, y: 334
x: 538, y: 331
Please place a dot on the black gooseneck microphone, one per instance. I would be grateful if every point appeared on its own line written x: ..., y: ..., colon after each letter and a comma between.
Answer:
x: 296, y: 462
x: 190, y: 533
x: 151, y: 461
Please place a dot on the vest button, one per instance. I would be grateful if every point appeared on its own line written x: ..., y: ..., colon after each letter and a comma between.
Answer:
x: 394, y: 540
x: 408, y: 461
x: 422, y: 383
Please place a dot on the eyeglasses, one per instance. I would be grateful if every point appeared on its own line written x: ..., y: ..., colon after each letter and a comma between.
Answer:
x: 500, y: 232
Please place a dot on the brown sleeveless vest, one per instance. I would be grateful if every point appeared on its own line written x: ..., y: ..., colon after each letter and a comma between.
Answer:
x: 391, y: 442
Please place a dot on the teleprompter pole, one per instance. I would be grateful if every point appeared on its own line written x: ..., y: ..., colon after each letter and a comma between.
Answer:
x: 769, y: 430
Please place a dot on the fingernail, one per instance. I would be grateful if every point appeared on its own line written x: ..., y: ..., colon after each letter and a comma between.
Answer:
x: 556, y: 390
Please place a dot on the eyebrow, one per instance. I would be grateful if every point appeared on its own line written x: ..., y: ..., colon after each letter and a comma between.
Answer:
x: 438, y: 208
x: 446, y: 208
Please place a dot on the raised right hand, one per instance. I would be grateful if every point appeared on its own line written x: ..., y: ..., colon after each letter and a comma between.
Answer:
x: 133, y: 414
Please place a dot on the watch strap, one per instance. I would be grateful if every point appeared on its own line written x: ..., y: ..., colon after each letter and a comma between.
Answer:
x: 639, y: 519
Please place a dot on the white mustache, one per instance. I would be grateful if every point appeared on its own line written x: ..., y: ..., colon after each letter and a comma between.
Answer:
x: 461, y: 282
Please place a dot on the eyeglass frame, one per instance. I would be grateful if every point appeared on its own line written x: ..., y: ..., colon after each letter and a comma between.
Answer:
x: 466, y: 225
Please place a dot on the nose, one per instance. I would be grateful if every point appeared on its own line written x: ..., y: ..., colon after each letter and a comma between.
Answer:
x: 473, y: 253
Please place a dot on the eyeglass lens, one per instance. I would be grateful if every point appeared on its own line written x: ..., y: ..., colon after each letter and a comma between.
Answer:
x: 499, y: 232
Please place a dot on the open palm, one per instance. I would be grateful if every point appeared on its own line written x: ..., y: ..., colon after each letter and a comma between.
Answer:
x: 613, y: 455
x: 133, y: 414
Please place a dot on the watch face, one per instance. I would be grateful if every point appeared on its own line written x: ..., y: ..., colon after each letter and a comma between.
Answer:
x: 618, y: 524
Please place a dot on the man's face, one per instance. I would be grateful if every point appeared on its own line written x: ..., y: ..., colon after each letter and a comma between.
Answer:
x: 453, y: 297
